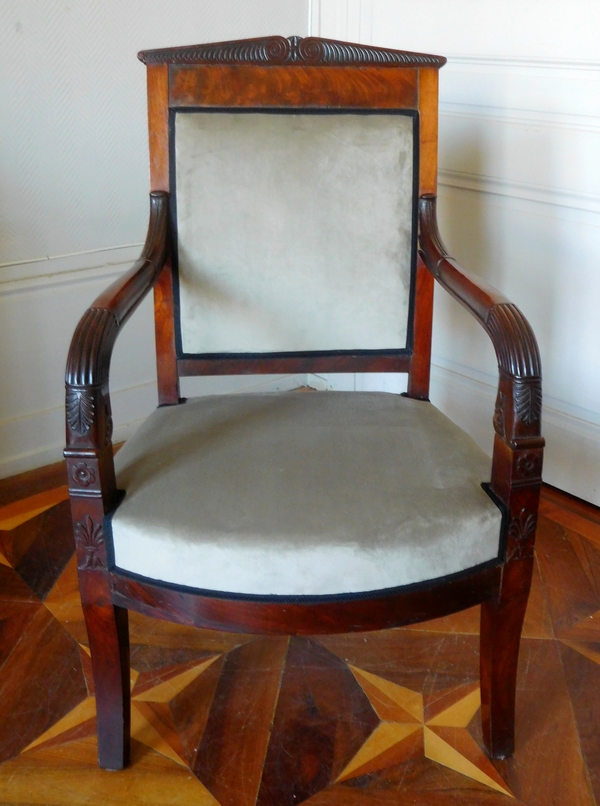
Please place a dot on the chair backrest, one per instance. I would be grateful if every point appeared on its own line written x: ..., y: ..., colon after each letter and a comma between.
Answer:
x: 294, y: 167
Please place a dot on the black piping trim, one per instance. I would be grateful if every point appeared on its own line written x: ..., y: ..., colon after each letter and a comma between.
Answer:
x: 503, y: 545
x: 297, y: 354
x: 307, y: 599
x: 311, y: 599
x: 401, y: 351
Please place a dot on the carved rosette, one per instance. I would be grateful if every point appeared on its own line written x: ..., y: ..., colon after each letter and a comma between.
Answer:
x: 528, y: 466
x: 520, y: 536
x: 275, y: 50
x: 80, y: 408
x: 83, y: 475
x: 90, y: 544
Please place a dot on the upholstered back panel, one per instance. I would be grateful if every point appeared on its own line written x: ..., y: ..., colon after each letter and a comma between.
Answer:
x: 295, y: 232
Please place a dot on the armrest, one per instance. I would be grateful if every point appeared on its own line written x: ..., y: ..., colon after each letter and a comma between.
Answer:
x: 95, y: 335
x: 517, y: 461
x: 88, y: 413
x: 516, y: 348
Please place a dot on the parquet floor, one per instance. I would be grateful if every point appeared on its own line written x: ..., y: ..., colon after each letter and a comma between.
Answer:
x: 350, y: 720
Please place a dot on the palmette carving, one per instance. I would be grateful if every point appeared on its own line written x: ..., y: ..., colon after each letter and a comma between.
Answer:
x: 500, y: 415
x: 520, y: 535
x: 90, y: 542
x: 275, y: 50
x: 80, y: 408
x: 528, y: 402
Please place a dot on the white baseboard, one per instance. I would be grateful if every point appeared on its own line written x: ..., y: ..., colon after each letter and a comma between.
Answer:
x: 572, y: 455
x: 572, y: 459
x: 26, y: 446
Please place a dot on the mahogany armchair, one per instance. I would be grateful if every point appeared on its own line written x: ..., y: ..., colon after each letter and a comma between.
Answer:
x: 293, y: 229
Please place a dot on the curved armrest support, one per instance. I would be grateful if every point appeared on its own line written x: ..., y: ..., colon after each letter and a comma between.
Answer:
x: 88, y: 413
x: 517, y: 462
x: 516, y: 348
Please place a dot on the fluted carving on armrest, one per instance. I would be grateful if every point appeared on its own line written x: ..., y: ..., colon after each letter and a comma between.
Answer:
x: 512, y: 336
x: 91, y: 348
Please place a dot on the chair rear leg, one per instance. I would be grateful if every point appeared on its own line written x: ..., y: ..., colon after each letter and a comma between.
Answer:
x: 501, y: 624
x: 108, y: 633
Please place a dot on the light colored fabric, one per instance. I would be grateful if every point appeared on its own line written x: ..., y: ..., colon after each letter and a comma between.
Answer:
x: 294, y: 231
x: 302, y: 494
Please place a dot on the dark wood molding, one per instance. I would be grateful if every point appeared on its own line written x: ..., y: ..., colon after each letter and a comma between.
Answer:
x: 416, y: 603
x: 242, y: 365
x: 513, y: 339
x: 88, y: 415
x: 518, y: 406
x: 279, y: 50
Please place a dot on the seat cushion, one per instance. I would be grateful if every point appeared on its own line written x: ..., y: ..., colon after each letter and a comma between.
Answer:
x: 302, y: 495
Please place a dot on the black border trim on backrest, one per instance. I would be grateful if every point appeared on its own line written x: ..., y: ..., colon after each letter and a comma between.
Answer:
x: 405, y: 351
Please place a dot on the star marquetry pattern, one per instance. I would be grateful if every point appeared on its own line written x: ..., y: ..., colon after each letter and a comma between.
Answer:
x: 150, y: 722
x: 443, y: 734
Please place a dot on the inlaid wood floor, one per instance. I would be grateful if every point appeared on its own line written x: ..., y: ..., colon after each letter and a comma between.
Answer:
x: 350, y: 720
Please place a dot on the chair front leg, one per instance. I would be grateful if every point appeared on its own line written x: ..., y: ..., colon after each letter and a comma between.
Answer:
x: 109, y: 639
x: 501, y: 625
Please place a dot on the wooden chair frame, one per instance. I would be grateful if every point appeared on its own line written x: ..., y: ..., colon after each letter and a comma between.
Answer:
x: 299, y: 73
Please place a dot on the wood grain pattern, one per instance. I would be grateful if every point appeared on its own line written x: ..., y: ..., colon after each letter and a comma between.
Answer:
x: 291, y: 618
x: 321, y: 720
x: 293, y: 364
x: 49, y: 551
x: 428, y: 111
x: 420, y: 368
x: 158, y: 126
x: 570, y: 594
x: 32, y: 482
x: 167, y: 369
x: 27, y: 709
x: 231, y: 755
x: 582, y: 677
x: 248, y: 86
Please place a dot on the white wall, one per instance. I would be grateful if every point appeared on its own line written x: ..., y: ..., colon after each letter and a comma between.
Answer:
x: 519, y: 197
x: 74, y: 190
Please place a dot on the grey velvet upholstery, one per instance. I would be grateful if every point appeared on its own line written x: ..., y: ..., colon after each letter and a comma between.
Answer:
x: 302, y: 494
x: 294, y: 231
